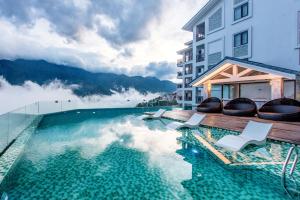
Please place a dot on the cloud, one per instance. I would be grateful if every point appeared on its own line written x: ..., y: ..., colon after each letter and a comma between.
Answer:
x: 19, y: 96
x: 164, y: 70
x: 122, y: 36
x: 120, y: 21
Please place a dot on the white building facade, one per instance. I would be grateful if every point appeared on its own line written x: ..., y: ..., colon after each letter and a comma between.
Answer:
x: 242, y: 48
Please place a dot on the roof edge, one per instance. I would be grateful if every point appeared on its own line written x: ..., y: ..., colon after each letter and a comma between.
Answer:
x: 207, y: 7
x: 262, y: 65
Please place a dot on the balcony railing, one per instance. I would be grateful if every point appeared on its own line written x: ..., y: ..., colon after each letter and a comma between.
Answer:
x: 199, y: 99
x: 200, y: 36
x: 179, y: 98
x: 188, y: 98
x: 200, y: 58
x: 188, y: 58
x: 187, y: 85
x: 180, y: 62
x: 179, y: 74
x: 188, y: 72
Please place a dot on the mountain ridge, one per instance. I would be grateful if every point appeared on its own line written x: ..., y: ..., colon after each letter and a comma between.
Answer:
x: 18, y: 71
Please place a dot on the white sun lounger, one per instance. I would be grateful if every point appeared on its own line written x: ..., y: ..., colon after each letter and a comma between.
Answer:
x: 193, y: 122
x: 254, y: 133
x: 158, y: 114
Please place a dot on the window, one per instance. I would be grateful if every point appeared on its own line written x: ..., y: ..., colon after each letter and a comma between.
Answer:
x: 289, y: 89
x: 241, y: 39
x: 256, y: 91
x: 215, y: 21
x: 216, y: 91
x: 241, y: 11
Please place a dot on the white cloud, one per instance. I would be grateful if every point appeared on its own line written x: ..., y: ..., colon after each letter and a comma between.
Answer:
x: 91, y: 50
x: 13, y: 96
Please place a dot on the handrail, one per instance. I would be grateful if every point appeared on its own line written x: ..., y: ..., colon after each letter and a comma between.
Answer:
x: 284, y: 170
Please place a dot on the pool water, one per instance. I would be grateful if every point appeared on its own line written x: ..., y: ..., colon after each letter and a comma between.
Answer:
x: 110, y: 154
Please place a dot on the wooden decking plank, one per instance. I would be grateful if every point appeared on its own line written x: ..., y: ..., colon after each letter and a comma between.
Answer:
x: 281, y: 131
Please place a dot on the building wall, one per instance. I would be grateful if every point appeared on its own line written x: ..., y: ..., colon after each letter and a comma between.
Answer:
x: 273, y: 33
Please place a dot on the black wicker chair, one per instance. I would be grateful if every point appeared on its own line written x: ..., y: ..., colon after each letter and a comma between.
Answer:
x: 240, y: 107
x: 283, y: 109
x: 210, y: 105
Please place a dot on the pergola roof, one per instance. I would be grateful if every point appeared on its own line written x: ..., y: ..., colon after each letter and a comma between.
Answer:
x: 263, y: 71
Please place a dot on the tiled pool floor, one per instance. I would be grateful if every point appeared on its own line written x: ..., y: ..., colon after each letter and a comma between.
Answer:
x: 112, y: 155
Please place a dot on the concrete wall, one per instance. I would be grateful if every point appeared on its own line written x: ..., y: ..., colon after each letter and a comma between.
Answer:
x: 273, y: 37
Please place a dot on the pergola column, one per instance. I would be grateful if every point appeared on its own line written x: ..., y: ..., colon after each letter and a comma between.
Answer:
x: 207, y: 90
x: 298, y: 87
x: 276, y: 88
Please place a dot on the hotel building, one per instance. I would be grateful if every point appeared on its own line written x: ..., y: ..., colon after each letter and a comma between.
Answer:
x: 241, y: 48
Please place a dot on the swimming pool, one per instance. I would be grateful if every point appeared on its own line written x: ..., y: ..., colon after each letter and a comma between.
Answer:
x: 109, y: 154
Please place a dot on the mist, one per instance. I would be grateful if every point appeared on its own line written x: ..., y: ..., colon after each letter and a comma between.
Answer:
x: 15, y: 96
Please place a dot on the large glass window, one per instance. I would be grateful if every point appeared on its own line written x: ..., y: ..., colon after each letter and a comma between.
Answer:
x: 241, y: 11
x: 230, y: 91
x: 257, y: 91
x: 241, y: 39
x: 289, y: 89
x: 216, y: 91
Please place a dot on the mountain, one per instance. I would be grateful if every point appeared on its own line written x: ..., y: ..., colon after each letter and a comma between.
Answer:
x: 42, y: 72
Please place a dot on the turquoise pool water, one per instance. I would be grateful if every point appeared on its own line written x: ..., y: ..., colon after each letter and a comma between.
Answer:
x: 109, y: 154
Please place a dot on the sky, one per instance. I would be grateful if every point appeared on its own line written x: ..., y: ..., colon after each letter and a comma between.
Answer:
x: 134, y: 37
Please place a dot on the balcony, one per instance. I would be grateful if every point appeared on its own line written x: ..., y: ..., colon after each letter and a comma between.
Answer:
x: 187, y: 85
x: 179, y: 86
x: 180, y: 62
x: 179, y: 75
x: 179, y: 98
x: 200, y: 37
x: 188, y: 72
x: 188, y: 58
x: 188, y: 98
x: 200, y: 32
x: 200, y: 58
x: 199, y: 99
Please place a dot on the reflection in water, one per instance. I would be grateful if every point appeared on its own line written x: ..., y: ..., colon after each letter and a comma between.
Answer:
x: 124, y: 152
x: 123, y: 157
x: 210, y: 180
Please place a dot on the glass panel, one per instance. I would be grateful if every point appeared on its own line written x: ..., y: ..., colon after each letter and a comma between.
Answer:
x: 227, y: 93
x: 216, y: 91
x: 244, y: 38
x: 237, y: 13
x: 17, y: 122
x: 256, y: 91
x: 14, y: 122
x: 4, y: 130
x: 289, y: 89
x: 237, y: 40
x: 49, y: 107
x: 245, y: 9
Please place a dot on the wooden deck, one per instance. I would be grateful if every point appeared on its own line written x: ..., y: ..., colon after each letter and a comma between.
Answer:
x: 282, y: 131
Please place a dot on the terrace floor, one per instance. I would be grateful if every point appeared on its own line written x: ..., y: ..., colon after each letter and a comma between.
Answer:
x: 282, y: 131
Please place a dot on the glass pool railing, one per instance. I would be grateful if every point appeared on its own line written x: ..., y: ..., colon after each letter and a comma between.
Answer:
x: 14, y: 122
